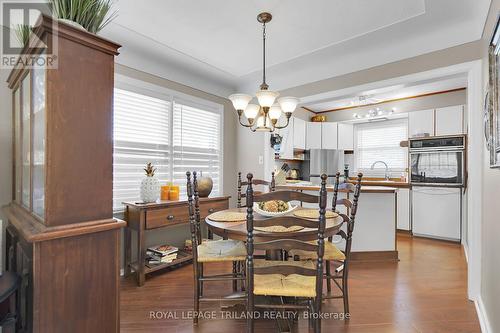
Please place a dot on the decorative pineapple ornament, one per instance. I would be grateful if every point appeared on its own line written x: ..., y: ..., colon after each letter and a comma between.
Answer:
x: 150, y: 185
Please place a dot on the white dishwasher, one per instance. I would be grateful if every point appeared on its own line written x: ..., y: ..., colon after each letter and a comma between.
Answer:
x: 437, y: 212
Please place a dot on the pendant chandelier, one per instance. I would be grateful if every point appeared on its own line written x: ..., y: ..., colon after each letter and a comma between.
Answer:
x: 264, y: 117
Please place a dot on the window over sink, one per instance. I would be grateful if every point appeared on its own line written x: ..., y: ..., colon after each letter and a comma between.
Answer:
x: 171, y: 130
x: 380, y: 141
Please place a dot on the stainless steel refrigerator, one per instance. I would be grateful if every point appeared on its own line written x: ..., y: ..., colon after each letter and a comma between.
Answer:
x: 327, y: 161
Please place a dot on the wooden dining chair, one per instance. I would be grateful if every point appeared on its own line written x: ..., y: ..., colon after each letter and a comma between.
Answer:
x: 341, y: 273
x: 271, y: 187
x: 210, y: 251
x: 333, y: 255
x: 299, y: 279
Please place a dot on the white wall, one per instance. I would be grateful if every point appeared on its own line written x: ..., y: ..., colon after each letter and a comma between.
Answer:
x: 490, y: 282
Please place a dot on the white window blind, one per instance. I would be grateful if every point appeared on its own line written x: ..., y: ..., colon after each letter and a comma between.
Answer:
x: 379, y: 141
x: 147, y: 129
x: 141, y: 135
x: 197, y: 142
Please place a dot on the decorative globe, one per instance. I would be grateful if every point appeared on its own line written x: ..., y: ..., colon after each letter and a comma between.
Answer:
x: 205, y: 185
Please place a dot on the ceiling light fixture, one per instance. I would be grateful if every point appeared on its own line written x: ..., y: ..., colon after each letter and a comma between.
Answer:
x: 264, y: 117
x: 374, y: 113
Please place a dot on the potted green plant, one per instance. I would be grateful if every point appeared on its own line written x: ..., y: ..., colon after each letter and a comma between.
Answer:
x: 23, y: 32
x: 91, y: 15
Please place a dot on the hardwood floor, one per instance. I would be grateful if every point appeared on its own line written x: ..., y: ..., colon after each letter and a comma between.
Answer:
x: 424, y: 293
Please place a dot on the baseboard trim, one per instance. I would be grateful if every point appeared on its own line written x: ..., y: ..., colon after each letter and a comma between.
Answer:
x: 466, y: 252
x: 374, y: 256
x: 482, y: 316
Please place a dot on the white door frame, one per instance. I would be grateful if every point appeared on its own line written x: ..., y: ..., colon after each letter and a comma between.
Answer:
x: 473, y: 70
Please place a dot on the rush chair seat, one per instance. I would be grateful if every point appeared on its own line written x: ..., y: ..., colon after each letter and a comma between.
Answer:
x: 332, y: 252
x: 293, y: 285
x: 221, y: 250
x: 208, y: 251
x: 298, y: 279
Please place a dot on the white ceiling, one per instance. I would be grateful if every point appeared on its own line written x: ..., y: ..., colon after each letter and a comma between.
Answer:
x: 391, y: 92
x: 216, y: 45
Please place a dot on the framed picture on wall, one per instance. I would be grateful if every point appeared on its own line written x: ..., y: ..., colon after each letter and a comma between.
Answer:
x: 493, y: 119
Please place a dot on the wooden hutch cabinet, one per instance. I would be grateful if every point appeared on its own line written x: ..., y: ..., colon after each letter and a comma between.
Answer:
x: 61, y: 235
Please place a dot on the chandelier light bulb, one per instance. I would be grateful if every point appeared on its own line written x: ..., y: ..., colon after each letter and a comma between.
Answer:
x: 275, y: 112
x: 288, y: 104
x: 251, y: 111
x: 266, y: 97
x: 240, y: 101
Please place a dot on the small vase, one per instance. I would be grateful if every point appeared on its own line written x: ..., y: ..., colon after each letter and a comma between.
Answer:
x: 150, y: 189
x: 72, y: 23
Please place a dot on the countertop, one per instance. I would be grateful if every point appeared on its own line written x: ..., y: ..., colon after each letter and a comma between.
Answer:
x: 381, y: 182
x: 329, y: 188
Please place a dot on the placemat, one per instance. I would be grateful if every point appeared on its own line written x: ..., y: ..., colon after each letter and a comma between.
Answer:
x: 279, y: 228
x: 313, y: 214
x: 225, y: 216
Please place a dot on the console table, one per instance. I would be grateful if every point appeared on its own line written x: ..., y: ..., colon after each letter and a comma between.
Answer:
x: 162, y: 214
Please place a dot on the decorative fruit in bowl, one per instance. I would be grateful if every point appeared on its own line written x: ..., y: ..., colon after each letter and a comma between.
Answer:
x: 273, y: 208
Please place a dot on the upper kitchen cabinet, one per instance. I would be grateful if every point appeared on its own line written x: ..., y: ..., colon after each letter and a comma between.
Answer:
x: 329, y: 135
x: 313, y: 135
x: 437, y: 122
x: 449, y: 120
x: 345, y: 136
x: 421, y: 122
x: 299, y: 133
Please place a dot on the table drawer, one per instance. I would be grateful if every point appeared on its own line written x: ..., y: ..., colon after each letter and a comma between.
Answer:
x: 159, y: 218
x: 207, y: 208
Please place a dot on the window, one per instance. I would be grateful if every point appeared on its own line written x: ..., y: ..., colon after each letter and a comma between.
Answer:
x: 197, y: 142
x: 175, y: 139
x: 379, y: 141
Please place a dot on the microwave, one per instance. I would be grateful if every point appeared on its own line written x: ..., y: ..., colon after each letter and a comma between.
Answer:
x: 437, y: 161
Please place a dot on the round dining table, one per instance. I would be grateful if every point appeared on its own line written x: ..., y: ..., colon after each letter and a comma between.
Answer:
x: 238, y: 230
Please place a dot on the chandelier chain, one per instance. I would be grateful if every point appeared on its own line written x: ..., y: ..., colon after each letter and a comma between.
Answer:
x: 264, y: 55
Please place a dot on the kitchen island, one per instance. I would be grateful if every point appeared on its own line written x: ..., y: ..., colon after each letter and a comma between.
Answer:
x: 374, y: 236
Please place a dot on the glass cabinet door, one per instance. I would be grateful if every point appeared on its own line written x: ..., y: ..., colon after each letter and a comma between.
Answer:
x: 39, y: 141
x: 26, y: 141
x: 17, y: 145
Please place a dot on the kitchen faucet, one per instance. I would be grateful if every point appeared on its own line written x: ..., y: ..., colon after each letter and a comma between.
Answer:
x: 386, y: 168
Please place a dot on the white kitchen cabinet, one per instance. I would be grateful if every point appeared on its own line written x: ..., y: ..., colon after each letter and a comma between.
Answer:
x: 313, y: 135
x: 345, y: 136
x: 449, y: 120
x: 299, y: 133
x: 421, y: 122
x: 403, y: 209
x: 329, y: 135
x: 286, y: 146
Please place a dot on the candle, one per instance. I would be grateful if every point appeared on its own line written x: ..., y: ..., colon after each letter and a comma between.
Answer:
x: 165, y: 192
x: 174, y: 193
